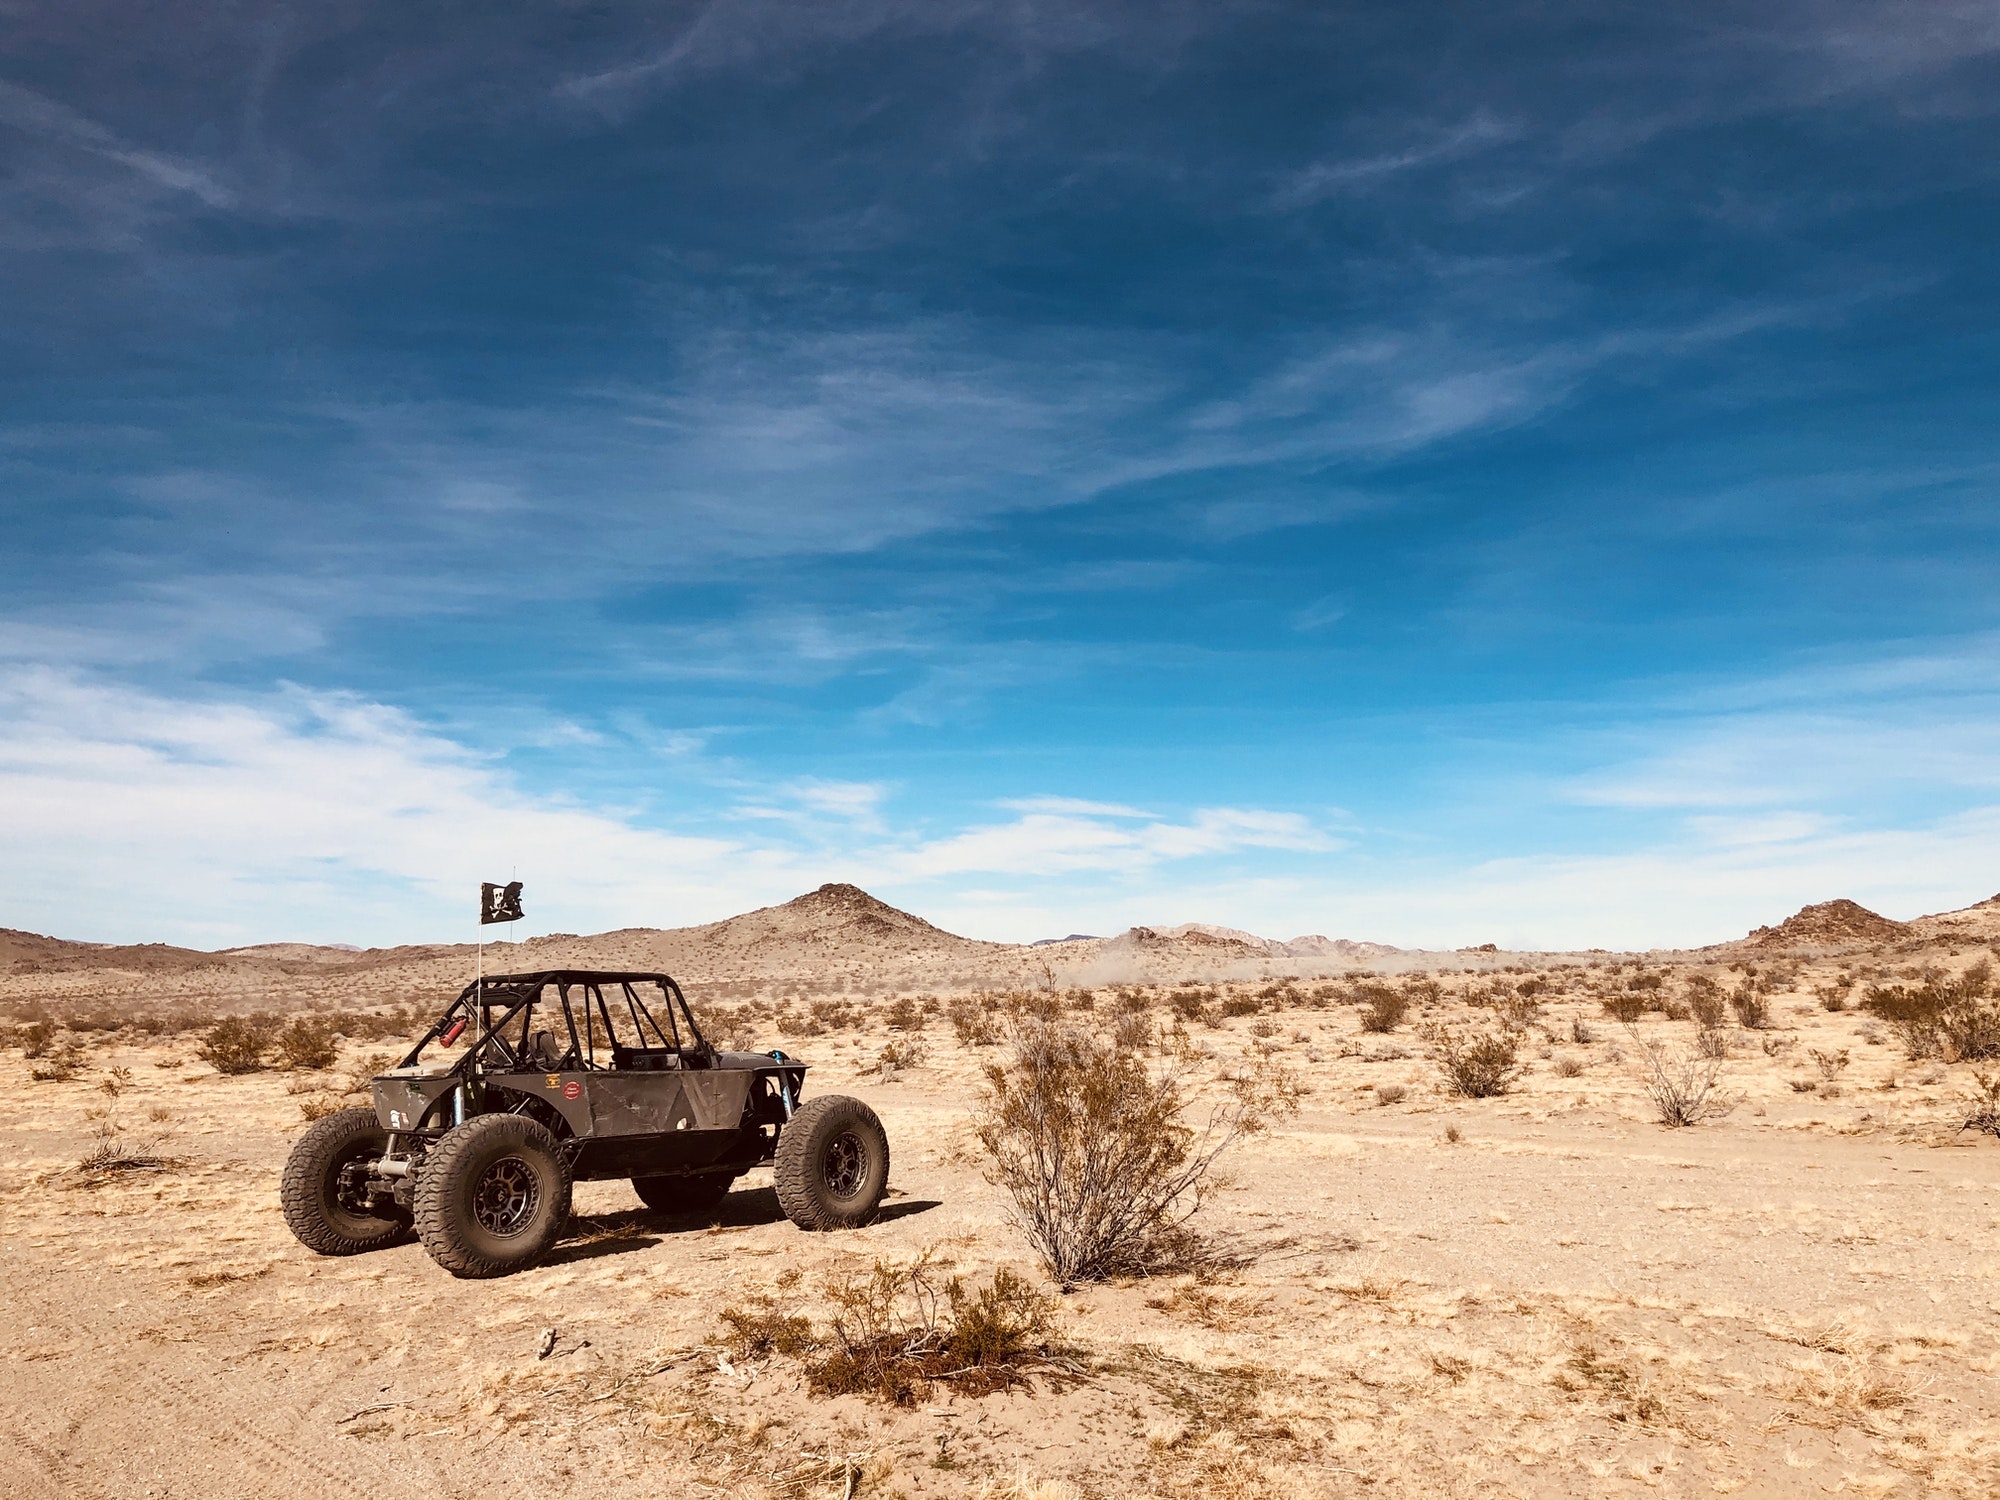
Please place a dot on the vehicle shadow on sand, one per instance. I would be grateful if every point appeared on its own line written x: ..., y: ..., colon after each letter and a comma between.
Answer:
x: 639, y: 1228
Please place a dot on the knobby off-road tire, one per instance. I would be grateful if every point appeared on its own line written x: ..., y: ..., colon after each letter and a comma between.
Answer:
x: 833, y: 1164
x: 323, y: 1215
x: 683, y: 1195
x: 492, y: 1196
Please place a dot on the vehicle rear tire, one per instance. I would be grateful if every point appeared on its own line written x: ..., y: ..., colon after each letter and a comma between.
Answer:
x: 832, y: 1165
x: 683, y: 1195
x: 493, y: 1196
x: 321, y: 1207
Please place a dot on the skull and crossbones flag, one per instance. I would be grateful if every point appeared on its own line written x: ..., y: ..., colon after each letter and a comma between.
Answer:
x: 500, y: 903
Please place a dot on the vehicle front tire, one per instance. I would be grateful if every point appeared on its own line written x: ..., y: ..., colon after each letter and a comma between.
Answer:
x: 695, y: 1194
x: 321, y: 1207
x: 492, y: 1196
x: 832, y: 1165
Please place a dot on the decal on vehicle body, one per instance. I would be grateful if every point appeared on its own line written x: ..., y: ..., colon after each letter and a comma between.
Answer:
x: 572, y: 1090
x: 555, y: 1080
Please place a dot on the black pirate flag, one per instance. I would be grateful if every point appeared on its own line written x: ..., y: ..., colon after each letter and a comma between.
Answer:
x: 500, y: 903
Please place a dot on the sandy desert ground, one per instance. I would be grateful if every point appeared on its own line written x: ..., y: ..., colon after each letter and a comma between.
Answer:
x: 1542, y: 1294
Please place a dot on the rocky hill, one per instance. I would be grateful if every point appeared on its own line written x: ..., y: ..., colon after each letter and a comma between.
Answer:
x: 1829, y: 924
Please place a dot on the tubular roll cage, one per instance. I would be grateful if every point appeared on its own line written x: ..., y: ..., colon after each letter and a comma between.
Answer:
x: 517, y: 992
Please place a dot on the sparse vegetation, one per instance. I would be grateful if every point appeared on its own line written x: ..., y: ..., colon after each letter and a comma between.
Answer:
x: 1705, y: 1002
x: 1477, y: 1065
x: 896, y: 1332
x: 1103, y: 1171
x: 306, y: 1042
x: 1685, y: 1087
x: 233, y: 1046
x: 1384, y: 1008
x: 1942, y: 1015
x: 1753, y: 1011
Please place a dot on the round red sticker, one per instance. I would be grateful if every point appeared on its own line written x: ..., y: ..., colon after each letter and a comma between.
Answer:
x: 572, y: 1090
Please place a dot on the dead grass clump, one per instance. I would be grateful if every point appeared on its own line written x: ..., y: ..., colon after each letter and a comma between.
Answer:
x: 1712, y: 1042
x: 317, y: 1107
x: 1482, y: 1065
x: 233, y: 1046
x: 113, y: 1158
x: 1384, y: 1008
x: 760, y: 1334
x: 1685, y: 1087
x: 1567, y: 1066
x: 1094, y: 1150
x: 1985, y: 1113
x: 59, y: 1062
x: 1391, y: 1093
x: 897, y: 1331
x: 1589, y: 1370
x: 307, y: 1042
x: 910, y: 1052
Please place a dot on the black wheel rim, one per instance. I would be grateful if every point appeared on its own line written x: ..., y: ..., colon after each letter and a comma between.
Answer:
x: 350, y: 1180
x: 845, y: 1164
x: 504, y: 1202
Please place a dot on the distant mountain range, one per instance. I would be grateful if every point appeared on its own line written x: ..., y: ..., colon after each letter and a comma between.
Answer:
x: 837, y: 938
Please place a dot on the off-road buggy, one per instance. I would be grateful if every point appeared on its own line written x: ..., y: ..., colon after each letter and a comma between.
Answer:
x: 570, y: 1075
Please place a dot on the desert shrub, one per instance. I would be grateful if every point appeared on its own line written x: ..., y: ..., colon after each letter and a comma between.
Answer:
x: 1037, y: 1005
x: 1384, y: 1008
x: 1133, y: 1032
x: 235, y: 1045
x: 318, y: 1106
x: 1712, y: 1042
x: 306, y: 1042
x: 1391, y: 1093
x: 1567, y: 1066
x: 1187, y: 1004
x: 34, y: 1038
x: 896, y: 1331
x: 908, y: 1052
x: 1481, y: 1065
x: 906, y: 1013
x: 1685, y: 1087
x: 1094, y: 1150
x: 1753, y: 1011
x: 836, y: 1015
x: 1985, y: 1101
x: 1241, y: 1005
x: 1705, y: 1002
x: 1518, y: 1009
x: 59, y: 1062
x: 766, y: 1331
x: 1830, y: 1064
x: 1580, y: 1032
x: 973, y: 1025
x: 1942, y: 1015
x: 1625, y: 1006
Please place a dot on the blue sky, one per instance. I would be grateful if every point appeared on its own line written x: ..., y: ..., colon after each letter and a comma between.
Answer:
x: 1425, y: 473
